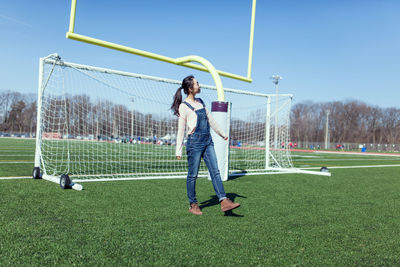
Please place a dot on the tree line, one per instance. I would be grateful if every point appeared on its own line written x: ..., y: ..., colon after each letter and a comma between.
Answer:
x: 77, y: 115
x: 350, y: 121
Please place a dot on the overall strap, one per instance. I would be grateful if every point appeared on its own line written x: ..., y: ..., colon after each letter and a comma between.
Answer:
x: 190, y: 106
x: 201, y: 101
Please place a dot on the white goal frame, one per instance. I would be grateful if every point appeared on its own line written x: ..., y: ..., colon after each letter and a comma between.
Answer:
x: 271, y: 165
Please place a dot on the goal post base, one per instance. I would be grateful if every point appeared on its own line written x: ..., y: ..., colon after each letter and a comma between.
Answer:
x: 56, y: 179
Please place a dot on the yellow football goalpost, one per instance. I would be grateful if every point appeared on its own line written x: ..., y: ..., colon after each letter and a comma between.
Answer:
x: 221, y: 107
x: 183, y: 61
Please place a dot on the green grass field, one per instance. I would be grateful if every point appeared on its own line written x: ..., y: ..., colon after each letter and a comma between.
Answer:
x: 350, y: 218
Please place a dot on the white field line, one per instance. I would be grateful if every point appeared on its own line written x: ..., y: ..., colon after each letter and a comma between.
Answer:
x: 100, y: 162
x: 300, y: 156
x: 13, y: 178
x: 15, y: 162
x: 19, y: 149
x: 353, y: 167
x: 166, y: 177
x: 17, y: 155
x: 353, y: 159
x: 174, y: 160
x: 359, y: 153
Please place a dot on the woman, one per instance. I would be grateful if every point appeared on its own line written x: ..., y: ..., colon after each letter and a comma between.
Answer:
x: 193, y: 114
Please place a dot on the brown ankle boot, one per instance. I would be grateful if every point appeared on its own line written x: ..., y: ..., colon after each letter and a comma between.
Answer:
x: 227, y: 204
x: 194, y: 208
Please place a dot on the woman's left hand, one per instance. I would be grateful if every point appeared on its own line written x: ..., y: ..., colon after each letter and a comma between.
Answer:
x: 226, y: 138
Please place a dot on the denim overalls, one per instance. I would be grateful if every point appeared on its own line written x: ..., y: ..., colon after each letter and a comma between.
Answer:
x: 200, y: 144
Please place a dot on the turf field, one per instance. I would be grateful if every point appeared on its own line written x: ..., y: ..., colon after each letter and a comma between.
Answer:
x: 350, y: 218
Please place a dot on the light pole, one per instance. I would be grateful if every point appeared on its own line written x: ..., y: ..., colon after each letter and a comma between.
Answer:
x: 97, y: 127
x: 133, y: 101
x: 327, y: 129
x: 275, y: 79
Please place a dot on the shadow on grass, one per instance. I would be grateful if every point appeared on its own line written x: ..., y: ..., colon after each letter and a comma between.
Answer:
x: 214, y: 201
x: 235, y: 175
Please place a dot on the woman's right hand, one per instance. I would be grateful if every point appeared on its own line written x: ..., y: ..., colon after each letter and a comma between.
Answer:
x: 178, y: 157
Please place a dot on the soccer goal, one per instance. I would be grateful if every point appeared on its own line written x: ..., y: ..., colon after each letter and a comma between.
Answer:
x: 97, y: 124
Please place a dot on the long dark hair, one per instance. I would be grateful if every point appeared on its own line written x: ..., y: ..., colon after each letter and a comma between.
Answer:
x: 187, y: 84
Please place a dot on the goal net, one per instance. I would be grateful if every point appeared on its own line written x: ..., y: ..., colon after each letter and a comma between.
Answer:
x: 97, y: 124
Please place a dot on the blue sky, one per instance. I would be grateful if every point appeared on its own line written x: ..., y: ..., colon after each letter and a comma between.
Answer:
x: 325, y: 50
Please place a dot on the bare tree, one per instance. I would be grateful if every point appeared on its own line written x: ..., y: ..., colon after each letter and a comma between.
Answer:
x: 7, y: 100
x: 391, y: 125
